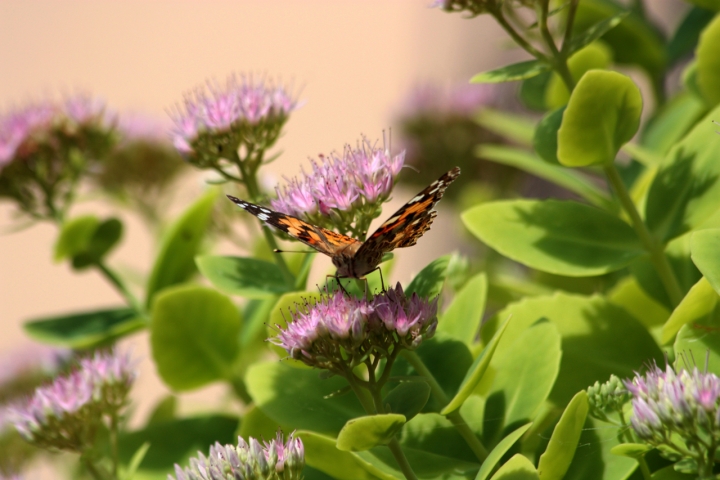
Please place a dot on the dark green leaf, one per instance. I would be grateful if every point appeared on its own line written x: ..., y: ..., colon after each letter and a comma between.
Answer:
x: 532, y: 91
x: 685, y: 194
x: 558, y: 456
x: 175, y: 262
x: 517, y: 468
x: 564, y: 177
x: 595, y: 139
x: 194, y: 334
x: 429, y: 282
x: 174, y: 441
x: 106, y: 235
x: 598, y: 338
x: 708, y: 62
x: 74, y: 236
x: 563, y: 238
x: 596, y: 31
x: 687, y: 34
x: 165, y: 410
x: 511, y: 73
x: 247, y: 277
x: 545, y: 139
x: 299, y: 398
x: 87, y: 329
x: 364, y: 433
x: 594, y: 460
x: 408, y: 398
x: 499, y: 451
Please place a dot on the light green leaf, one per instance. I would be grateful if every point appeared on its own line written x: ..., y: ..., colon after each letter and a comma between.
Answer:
x: 685, y: 194
x: 135, y: 461
x: 499, y: 451
x: 85, y: 329
x: 631, y: 450
x: 699, y: 344
x: 595, y: 138
x: 364, y: 433
x: 430, y: 280
x: 475, y: 372
x: 669, y: 472
x: 300, y: 398
x: 561, y: 176
x: 408, y: 398
x: 194, y: 335
x: 513, y: 126
x: 517, y: 468
x: 598, y: 338
x: 705, y: 253
x: 247, y: 277
x: 594, y: 56
x: 462, y: 318
x: 708, y: 62
x: 564, y: 238
x: 558, y: 456
x: 595, y: 32
x: 74, y: 236
x: 511, y: 73
x: 672, y: 122
x: 698, y: 305
x: 687, y: 34
x: 165, y: 410
x: 628, y: 294
x: 525, y: 373
x: 322, y: 454
x: 175, y: 261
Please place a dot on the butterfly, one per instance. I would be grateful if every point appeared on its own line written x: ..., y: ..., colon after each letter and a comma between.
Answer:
x: 354, y: 258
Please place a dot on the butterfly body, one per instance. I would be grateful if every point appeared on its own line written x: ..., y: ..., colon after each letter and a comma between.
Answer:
x: 351, y: 257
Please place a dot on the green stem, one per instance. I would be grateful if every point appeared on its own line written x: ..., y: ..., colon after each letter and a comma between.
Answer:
x: 542, y: 13
x: 497, y: 13
x: 92, y: 469
x: 239, y: 388
x: 653, y: 247
x: 647, y: 475
x: 114, y: 444
x: 400, y: 458
x: 567, y: 39
x: 120, y: 286
x: 455, y: 417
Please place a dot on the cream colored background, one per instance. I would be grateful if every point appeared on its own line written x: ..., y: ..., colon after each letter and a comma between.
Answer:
x: 356, y: 60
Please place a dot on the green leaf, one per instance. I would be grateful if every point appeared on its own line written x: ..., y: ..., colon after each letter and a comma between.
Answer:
x: 175, y: 262
x: 175, y: 441
x: 687, y: 34
x: 430, y: 280
x: 247, y: 277
x: 532, y: 91
x: 598, y: 338
x: 194, y: 334
x: 499, y: 451
x: 75, y: 236
x: 511, y: 73
x: 595, y: 139
x: 628, y: 294
x: 164, y: 411
x: 545, y: 139
x: 669, y: 472
x: 698, y: 305
x: 475, y: 372
x: 321, y: 453
x: 300, y: 398
x: 135, y: 461
x: 513, y: 126
x: 561, y: 176
x: 699, y: 343
x: 517, y: 468
x: 525, y: 374
x: 86, y: 329
x: 595, y: 32
x: 704, y: 253
x: 631, y: 450
x: 564, y: 238
x: 558, y: 456
x: 281, y: 312
x: 708, y: 62
x: 594, y: 56
x: 104, y: 239
x: 594, y: 460
x: 426, y: 464
x: 685, y: 194
x: 408, y: 398
x: 364, y: 433
x: 708, y: 4
x: 672, y: 122
x: 462, y: 318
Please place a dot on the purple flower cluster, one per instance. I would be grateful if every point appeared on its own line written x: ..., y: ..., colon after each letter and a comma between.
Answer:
x: 221, y: 109
x: 21, y: 128
x: 666, y: 402
x: 339, y: 331
x: 274, y: 460
x: 64, y: 413
x: 362, y: 176
x: 462, y: 100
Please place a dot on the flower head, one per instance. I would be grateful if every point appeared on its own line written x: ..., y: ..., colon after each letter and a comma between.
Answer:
x: 339, y: 332
x: 66, y: 413
x: 219, y: 118
x: 273, y: 460
x: 610, y: 396
x: 342, y: 189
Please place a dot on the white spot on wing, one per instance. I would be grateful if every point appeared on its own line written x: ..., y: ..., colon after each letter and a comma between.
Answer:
x: 263, y: 217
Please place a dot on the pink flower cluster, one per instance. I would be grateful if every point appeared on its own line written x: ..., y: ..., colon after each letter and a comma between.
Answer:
x: 273, y: 460
x: 220, y: 108
x: 21, y: 124
x: 361, y: 176
x: 99, y: 386
x: 462, y: 100
x: 340, y: 329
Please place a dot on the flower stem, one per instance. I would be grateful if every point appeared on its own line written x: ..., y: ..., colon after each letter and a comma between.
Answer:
x: 647, y: 475
x: 497, y: 13
x: 120, y: 286
x: 653, y: 247
x: 114, y: 443
x: 455, y: 417
x: 401, y: 459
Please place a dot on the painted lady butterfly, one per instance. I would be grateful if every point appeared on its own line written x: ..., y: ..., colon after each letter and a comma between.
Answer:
x: 353, y: 258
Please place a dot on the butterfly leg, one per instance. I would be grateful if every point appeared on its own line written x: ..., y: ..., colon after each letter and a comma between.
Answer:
x: 337, y: 280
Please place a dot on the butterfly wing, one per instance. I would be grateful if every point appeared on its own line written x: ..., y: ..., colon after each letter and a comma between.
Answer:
x: 409, y: 223
x: 321, y: 239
